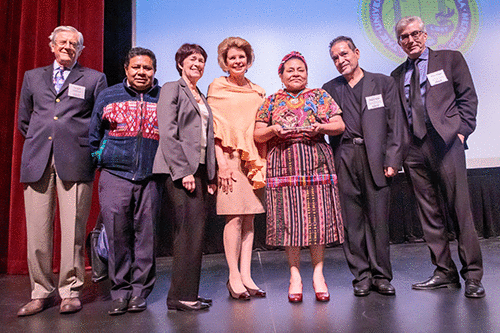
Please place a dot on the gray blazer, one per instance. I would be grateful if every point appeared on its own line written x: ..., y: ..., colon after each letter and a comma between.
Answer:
x: 57, y: 123
x: 451, y: 105
x: 179, y: 123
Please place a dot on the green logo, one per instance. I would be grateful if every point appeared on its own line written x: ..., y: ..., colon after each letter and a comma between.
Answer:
x: 450, y: 24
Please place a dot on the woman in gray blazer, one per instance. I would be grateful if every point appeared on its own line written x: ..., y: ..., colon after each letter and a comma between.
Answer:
x: 186, y: 156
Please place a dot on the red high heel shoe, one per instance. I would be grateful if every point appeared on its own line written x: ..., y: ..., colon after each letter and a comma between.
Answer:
x: 322, y: 296
x: 294, y: 298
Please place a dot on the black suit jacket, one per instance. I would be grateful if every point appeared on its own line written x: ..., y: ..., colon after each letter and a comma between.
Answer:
x: 382, y: 127
x: 179, y: 123
x: 451, y: 105
x: 57, y: 122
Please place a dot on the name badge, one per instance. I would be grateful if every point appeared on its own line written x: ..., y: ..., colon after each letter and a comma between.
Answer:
x: 437, y: 77
x: 76, y: 91
x: 374, y: 102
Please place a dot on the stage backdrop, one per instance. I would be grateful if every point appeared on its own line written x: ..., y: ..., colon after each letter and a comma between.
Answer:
x: 26, y: 25
x: 276, y: 27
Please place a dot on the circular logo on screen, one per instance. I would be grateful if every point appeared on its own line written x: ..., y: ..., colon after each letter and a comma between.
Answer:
x: 450, y: 24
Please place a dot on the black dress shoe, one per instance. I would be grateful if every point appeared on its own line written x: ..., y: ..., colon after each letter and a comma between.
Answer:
x: 137, y: 304
x: 436, y: 282
x: 183, y: 306
x: 474, y: 289
x: 362, y: 288
x: 118, y: 307
x: 205, y: 300
x: 384, y: 287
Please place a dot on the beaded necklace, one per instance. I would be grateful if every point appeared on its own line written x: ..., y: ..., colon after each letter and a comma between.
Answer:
x: 295, y: 99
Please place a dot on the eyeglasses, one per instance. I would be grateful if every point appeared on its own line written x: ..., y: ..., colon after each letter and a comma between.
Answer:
x: 72, y: 45
x: 415, y: 34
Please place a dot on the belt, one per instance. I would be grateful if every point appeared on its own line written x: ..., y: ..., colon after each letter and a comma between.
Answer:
x: 354, y: 141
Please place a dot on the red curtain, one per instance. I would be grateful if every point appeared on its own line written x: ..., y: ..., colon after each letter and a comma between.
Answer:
x: 26, y: 25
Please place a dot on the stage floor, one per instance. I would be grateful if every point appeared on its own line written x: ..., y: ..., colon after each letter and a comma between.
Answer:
x: 443, y: 310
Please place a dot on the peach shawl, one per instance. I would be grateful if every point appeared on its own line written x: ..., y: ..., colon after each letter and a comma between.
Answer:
x: 234, y: 109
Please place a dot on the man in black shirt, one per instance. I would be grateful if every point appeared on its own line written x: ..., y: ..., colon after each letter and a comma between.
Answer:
x: 367, y: 155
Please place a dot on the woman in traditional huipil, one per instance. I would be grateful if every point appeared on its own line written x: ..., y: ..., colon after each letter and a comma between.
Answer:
x: 234, y: 101
x: 302, y: 200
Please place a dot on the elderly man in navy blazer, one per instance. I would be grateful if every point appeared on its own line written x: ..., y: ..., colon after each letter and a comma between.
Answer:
x: 440, y: 101
x: 54, y: 113
x: 367, y: 155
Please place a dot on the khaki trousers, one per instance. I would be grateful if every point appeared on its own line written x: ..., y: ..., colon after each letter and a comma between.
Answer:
x: 74, y: 200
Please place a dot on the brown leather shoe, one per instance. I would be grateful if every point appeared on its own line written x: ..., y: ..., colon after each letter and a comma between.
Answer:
x: 70, y: 305
x: 34, y: 306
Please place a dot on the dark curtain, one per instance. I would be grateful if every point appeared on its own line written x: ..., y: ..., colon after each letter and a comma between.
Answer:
x: 404, y: 225
x: 26, y: 25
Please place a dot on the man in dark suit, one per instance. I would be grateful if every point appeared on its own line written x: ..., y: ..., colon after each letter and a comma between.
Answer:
x: 438, y: 95
x: 367, y: 155
x: 54, y: 113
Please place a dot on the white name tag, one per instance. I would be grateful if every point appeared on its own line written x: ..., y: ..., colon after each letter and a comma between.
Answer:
x: 76, y: 91
x: 437, y: 77
x: 374, y: 102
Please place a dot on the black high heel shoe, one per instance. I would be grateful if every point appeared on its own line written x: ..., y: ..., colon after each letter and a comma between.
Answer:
x: 256, y: 292
x: 184, y: 306
x: 244, y: 296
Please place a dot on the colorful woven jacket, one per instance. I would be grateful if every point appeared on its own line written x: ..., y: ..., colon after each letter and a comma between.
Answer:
x: 124, y: 131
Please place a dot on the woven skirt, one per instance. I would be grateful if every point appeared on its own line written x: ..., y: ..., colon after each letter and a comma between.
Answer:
x: 302, y: 200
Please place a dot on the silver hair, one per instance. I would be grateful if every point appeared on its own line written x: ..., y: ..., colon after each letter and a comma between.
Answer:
x: 69, y: 28
x: 407, y: 20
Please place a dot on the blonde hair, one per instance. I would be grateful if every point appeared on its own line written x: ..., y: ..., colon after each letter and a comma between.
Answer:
x: 236, y: 42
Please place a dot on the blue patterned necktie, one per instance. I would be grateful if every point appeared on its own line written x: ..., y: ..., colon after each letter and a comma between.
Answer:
x: 58, y: 79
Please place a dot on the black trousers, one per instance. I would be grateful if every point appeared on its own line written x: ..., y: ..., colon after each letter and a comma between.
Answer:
x: 190, y: 214
x: 365, y: 210
x: 129, y: 211
x: 438, y: 174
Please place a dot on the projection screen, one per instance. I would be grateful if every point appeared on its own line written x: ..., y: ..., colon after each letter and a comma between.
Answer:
x: 275, y: 27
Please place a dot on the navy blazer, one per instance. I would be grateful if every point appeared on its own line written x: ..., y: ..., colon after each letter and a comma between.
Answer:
x: 57, y: 123
x: 451, y: 105
x: 179, y: 124
x: 383, y: 127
